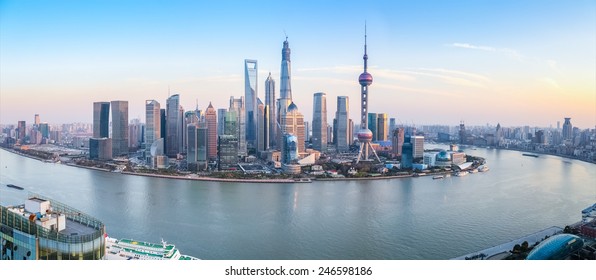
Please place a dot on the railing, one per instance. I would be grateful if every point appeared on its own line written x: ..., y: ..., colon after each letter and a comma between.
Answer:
x: 18, y: 222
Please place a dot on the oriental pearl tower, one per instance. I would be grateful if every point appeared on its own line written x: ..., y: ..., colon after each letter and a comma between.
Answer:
x: 364, y: 134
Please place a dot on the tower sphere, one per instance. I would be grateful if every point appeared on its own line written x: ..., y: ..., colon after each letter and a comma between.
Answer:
x: 365, y: 135
x: 365, y: 79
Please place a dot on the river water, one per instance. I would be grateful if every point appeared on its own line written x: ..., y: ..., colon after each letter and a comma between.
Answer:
x: 408, y: 218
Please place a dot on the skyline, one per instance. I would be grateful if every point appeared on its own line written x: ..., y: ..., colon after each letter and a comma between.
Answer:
x: 491, y: 62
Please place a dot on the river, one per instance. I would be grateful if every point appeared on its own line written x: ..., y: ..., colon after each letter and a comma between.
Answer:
x: 407, y: 218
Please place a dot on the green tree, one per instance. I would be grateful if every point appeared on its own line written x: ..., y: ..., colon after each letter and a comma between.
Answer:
x: 524, y: 246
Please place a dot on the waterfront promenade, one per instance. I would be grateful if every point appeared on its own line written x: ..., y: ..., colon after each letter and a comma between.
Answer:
x: 502, y: 250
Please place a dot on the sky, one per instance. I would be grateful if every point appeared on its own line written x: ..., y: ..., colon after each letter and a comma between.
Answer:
x: 433, y: 62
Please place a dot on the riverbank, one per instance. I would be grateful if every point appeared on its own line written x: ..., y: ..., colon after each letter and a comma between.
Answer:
x: 546, y: 154
x: 196, y: 177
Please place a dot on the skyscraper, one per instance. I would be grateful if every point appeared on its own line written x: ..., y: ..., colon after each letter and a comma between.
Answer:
x: 270, y: 102
x: 174, y: 125
x: 397, y: 141
x: 319, y: 122
x: 221, y: 114
x: 382, y: 127
x: 417, y: 147
x: 152, y: 125
x: 250, y: 97
x: 22, y: 131
x: 211, y: 120
x: 289, y: 150
x: 202, y: 145
x: 285, y: 88
x: 341, y: 131
x: 237, y: 105
x: 372, y: 125
x: 192, y: 154
x: 567, y: 129
x: 391, y: 126
x: 262, y: 126
x: 190, y: 117
x: 292, y: 122
x: 162, y: 129
x: 101, y: 119
x: 119, y: 128
x: 462, y: 133
x: 365, y: 136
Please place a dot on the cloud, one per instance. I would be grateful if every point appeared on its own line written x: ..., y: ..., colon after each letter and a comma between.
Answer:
x: 550, y: 81
x: 453, y: 77
x: 507, y: 51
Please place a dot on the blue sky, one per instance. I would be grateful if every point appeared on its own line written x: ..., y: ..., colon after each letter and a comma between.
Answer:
x: 434, y: 62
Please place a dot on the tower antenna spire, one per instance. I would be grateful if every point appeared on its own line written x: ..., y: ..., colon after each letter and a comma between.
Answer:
x: 365, y: 57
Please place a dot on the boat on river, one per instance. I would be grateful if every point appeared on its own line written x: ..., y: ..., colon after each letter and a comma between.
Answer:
x: 128, y: 249
x: 461, y: 173
x: 529, y: 155
x: 15, y: 187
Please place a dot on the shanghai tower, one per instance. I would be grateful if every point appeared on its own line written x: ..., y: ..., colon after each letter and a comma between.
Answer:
x: 285, y: 88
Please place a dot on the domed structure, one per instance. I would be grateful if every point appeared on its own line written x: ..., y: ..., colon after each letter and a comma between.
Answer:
x: 443, y: 155
x: 292, y: 107
x: 557, y: 247
x: 365, y: 79
x: 365, y: 135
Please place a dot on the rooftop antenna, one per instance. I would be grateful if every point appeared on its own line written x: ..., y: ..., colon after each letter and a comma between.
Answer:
x: 168, y: 91
x: 285, y: 34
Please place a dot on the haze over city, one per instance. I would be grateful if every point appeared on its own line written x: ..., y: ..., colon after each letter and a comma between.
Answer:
x: 433, y: 62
